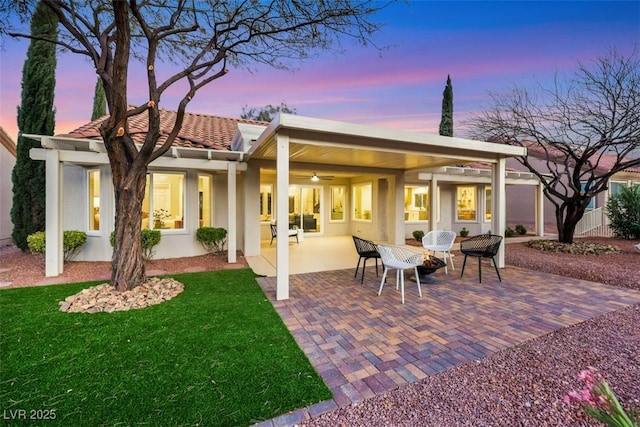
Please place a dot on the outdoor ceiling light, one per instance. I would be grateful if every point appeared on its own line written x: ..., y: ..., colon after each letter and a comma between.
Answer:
x: 314, y: 177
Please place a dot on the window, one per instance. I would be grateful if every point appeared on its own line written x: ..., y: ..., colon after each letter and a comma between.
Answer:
x: 94, y: 200
x: 592, y: 200
x: 204, y: 201
x: 466, y: 203
x: 337, y: 202
x: 416, y: 203
x: 362, y: 201
x: 614, y: 187
x: 163, y: 204
x: 305, y: 208
x: 266, y: 202
x: 488, y: 204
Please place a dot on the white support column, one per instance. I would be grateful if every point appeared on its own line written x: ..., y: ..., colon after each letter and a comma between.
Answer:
x: 54, y: 258
x: 433, y: 203
x: 251, y: 210
x: 498, y: 189
x: 539, y: 209
x: 282, y: 216
x: 398, y: 208
x: 232, y: 207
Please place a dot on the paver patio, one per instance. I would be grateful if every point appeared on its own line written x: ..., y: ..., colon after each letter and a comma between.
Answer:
x: 364, y: 345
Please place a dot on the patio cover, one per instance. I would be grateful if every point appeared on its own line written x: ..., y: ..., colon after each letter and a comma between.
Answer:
x: 292, y: 138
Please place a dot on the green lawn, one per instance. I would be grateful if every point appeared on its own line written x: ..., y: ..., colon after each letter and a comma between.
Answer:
x: 218, y: 354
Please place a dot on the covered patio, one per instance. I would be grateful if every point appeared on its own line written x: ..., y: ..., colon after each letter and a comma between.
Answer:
x: 386, y: 156
x: 364, y: 345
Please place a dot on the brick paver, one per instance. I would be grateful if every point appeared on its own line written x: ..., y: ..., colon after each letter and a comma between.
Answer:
x: 364, y: 345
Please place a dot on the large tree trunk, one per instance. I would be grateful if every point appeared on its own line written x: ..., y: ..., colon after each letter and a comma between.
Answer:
x: 127, y: 264
x: 567, y: 223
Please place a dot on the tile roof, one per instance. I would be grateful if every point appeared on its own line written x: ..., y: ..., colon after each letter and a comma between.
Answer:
x: 604, y: 161
x: 198, y: 130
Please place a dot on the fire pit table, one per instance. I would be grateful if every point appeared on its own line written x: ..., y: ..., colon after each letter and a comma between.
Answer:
x: 425, y: 270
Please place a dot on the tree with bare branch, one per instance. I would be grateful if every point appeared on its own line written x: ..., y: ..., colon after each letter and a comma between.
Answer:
x: 585, y: 129
x: 206, y: 38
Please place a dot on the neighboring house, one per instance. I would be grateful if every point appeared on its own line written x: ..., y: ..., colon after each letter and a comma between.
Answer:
x: 521, y: 203
x: 328, y: 178
x: 7, y: 162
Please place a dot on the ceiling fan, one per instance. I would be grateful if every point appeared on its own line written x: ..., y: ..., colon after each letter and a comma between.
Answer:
x: 315, y: 177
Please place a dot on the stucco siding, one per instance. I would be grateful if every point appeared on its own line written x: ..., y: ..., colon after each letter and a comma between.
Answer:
x: 7, y: 162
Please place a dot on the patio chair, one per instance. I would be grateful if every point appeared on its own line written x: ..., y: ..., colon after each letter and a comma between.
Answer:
x: 366, y: 249
x: 400, y: 258
x: 440, y: 241
x: 482, y: 246
x: 293, y: 232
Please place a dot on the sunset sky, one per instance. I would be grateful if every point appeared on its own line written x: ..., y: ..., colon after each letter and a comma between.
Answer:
x: 484, y: 46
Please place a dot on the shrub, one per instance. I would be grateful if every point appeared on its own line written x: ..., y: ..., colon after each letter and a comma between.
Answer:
x: 509, y: 232
x: 150, y: 238
x: 520, y: 229
x: 418, y: 234
x: 72, y: 241
x: 623, y: 211
x: 464, y: 232
x: 212, y: 239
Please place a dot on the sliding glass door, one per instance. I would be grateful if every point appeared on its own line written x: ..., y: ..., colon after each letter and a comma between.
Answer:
x: 305, y: 208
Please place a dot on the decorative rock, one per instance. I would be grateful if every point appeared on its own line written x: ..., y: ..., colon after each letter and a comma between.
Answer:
x: 577, y: 247
x: 105, y: 298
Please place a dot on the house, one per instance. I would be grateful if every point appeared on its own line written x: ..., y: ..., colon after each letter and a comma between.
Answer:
x: 520, y: 203
x: 8, y: 152
x: 329, y: 178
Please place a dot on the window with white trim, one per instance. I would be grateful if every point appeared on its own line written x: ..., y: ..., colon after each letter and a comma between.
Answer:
x: 416, y: 203
x: 338, y: 202
x: 93, y: 179
x: 163, y: 204
x: 488, y: 204
x: 204, y: 200
x: 266, y: 202
x: 362, y: 201
x: 466, y: 203
x: 592, y: 200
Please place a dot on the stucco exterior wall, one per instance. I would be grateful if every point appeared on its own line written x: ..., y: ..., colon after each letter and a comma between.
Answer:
x: 7, y: 162
x: 173, y: 243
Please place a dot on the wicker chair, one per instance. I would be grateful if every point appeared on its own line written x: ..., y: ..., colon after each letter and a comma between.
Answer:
x: 366, y: 249
x: 482, y: 246
x: 400, y: 258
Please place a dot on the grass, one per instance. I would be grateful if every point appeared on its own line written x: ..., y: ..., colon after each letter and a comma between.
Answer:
x: 218, y: 354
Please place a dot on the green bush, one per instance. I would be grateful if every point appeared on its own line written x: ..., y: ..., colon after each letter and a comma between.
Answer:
x: 464, y: 232
x: 418, y: 234
x: 520, y: 229
x: 623, y: 211
x: 72, y: 241
x: 150, y: 238
x: 212, y: 239
x: 509, y: 232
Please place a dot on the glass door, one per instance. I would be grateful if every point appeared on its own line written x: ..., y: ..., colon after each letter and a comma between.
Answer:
x: 305, y: 208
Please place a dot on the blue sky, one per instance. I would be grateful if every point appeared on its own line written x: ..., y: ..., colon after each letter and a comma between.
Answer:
x: 486, y: 46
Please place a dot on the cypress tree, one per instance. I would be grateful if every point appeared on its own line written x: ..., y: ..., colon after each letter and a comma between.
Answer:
x: 99, y: 101
x: 36, y: 115
x: 446, y: 122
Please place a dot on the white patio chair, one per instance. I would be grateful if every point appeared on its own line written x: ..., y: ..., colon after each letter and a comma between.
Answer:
x: 440, y: 241
x: 400, y: 258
